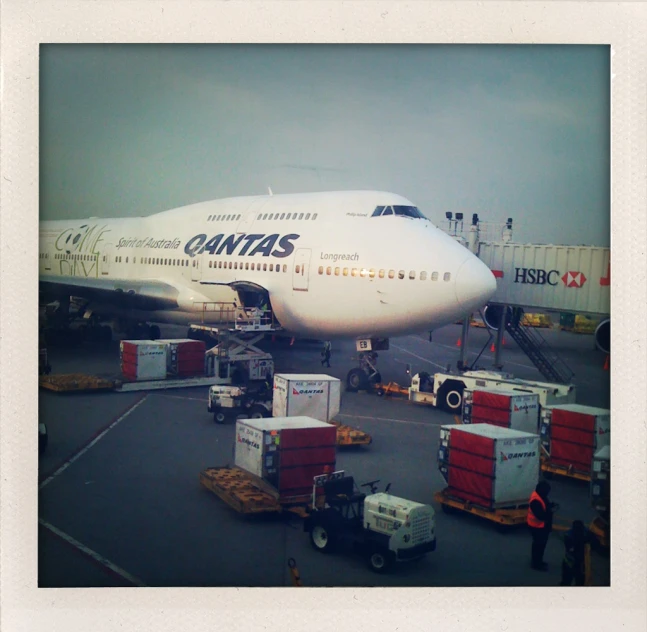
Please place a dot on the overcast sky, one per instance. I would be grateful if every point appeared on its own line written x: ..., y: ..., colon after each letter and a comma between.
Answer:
x: 503, y: 131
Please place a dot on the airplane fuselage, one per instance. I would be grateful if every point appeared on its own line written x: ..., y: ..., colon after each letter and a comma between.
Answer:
x: 329, y: 266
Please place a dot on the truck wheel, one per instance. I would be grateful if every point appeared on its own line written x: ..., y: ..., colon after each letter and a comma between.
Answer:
x: 356, y: 380
x: 380, y: 561
x: 257, y: 412
x: 452, y: 396
x: 220, y: 416
x: 322, y: 538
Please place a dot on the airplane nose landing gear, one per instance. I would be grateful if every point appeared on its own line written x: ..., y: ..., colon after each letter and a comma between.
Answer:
x: 366, y: 374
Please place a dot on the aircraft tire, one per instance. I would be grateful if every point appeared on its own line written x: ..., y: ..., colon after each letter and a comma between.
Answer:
x: 356, y: 380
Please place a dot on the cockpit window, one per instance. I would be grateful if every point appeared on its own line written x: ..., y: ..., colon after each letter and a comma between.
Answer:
x: 404, y: 211
x: 378, y: 211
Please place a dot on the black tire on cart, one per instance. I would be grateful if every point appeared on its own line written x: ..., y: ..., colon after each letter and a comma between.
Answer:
x: 258, y: 412
x: 322, y: 536
x: 356, y: 380
x: 451, y: 396
x: 221, y: 416
x: 380, y: 560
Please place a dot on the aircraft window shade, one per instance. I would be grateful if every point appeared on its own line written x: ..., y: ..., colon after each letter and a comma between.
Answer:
x: 271, y: 267
x: 423, y: 276
x: 353, y: 272
x: 336, y: 271
x: 297, y: 269
x: 230, y: 265
x: 210, y: 262
x: 363, y: 272
x: 434, y: 276
x: 253, y: 266
x: 285, y: 267
x: 391, y: 274
x: 265, y: 216
x: 247, y: 266
x: 447, y: 276
x: 307, y: 215
x: 300, y: 215
x: 237, y: 217
x: 209, y: 218
x: 288, y: 216
x: 314, y: 216
x: 328, y: 270
x: 282, y: 215
x: 381, y: 274
x: 278, y: 267
x: 265, y: 267
x: 412, y: 275
x: 235, y: 265
x: 271, y: 215
x: 345, y: 272
x: 401, y: 274
x: 371, y: 273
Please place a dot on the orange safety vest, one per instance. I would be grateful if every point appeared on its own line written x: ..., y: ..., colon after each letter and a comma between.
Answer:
x: 531, y: 519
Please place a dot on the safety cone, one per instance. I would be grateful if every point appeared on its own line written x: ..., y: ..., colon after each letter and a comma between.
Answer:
x: 606, y: 364
x: 458, y: 342
x: 503, y: 341
x: 492, y: 349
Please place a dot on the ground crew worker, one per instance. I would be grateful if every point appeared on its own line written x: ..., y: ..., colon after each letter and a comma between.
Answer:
x: 540, y: 522
x: 325, y: 354
x: 575, y: 542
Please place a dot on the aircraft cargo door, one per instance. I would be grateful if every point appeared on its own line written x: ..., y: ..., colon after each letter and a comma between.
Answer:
x: 301, y: 270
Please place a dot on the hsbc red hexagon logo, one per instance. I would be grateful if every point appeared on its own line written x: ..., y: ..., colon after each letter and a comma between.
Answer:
x: 574, y: 279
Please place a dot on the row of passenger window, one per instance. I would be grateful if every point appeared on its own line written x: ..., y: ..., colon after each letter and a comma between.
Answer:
x: 381, y: 274
x: 235, y: 265
x: 75, y: 257
x: 263, y: 216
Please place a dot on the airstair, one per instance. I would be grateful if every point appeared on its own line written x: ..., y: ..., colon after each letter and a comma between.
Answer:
x: 549, y: 364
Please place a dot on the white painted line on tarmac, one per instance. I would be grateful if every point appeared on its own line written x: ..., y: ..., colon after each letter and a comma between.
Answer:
x: 81, y: 452
x: 93, y: 554
x: 397, y: 421
x: 195, y: 399
x: 440, y: 366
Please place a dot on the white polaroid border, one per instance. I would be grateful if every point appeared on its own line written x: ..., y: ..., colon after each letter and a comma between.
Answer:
x: 26, y: 24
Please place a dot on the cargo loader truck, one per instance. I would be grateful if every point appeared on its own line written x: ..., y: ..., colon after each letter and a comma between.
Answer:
x: 383, y: 528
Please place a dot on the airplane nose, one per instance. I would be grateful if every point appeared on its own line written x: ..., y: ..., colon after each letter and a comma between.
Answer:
x: 475, y: 284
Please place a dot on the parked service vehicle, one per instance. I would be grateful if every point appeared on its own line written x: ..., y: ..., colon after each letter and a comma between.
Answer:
x: 229, y: 402
x: 445, y: 390
x: 381, y: 527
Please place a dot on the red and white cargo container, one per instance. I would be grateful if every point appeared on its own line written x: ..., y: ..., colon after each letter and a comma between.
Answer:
x: 286, y: 452
x: 489, y: 466
x: 506, y: 409
x: 143, y: 359
x: 185, y: 357
x: 312, y: 395
x: 572, y: 433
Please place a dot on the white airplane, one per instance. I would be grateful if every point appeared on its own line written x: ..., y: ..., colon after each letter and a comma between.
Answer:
x: 363, y: 264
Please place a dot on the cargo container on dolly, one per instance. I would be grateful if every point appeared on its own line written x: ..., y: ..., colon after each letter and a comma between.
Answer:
x: 571, y: 434
x: 490, y: 471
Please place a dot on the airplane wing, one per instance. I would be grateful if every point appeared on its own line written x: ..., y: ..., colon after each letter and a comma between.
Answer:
x: 146, y: 295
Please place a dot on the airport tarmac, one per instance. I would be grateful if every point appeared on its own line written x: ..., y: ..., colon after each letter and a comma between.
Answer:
x: 120, y: 503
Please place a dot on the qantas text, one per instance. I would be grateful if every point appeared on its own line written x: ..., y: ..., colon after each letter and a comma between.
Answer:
x: 241, y: 245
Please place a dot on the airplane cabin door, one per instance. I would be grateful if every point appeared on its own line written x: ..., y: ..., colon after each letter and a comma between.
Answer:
x: 106, y: 255
x: 301, y: 270
x: 196, y: 268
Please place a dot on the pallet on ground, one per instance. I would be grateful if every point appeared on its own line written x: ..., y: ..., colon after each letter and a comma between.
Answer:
x: 246, y: 493
x: 508, y: 517
x: 347, y: 436
x: 547, y: 467
x: 392, y: 388
x: 74, y: 382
